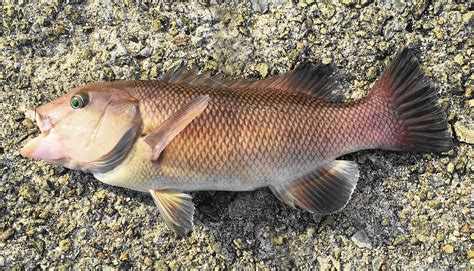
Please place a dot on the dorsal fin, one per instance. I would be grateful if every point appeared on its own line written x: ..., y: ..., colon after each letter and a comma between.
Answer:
x: 318, y: 80
x: 194, y: 78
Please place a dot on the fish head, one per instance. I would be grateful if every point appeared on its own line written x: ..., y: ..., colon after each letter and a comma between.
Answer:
x: 86, y: 128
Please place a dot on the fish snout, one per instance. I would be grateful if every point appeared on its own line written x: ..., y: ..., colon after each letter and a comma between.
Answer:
x: 44, y: 146
x: 43, y: 122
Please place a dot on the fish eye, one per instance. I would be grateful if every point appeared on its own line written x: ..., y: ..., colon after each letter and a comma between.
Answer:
x: 79, y: 100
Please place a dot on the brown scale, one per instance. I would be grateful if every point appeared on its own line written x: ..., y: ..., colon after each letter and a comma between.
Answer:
x: 258, y: 135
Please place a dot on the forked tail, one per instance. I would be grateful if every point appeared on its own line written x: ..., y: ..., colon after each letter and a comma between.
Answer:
x: 422, y: 126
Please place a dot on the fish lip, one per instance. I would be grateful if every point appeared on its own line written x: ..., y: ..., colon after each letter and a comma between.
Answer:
x: 43, y: 122
x: 43, y: 147
x: 37, y: 148
x: 30, y: 113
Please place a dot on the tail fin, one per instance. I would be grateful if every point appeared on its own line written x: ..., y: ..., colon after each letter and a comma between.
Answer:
x: 423, y: 126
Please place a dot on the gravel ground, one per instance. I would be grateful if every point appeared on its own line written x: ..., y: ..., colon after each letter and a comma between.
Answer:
x: 410, y: 211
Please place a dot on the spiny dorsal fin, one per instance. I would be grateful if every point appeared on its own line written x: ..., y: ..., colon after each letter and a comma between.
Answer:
x: 318, y: 80
x: 324, y: 191
x: 194, y: 78
x: 176, y: 208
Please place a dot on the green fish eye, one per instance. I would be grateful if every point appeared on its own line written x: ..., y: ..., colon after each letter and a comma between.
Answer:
x: 79, y: 101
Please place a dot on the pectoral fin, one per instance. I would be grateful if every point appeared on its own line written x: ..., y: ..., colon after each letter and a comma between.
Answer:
x: 171, y: 127
x: 324, y: 191
x: 176, y: 208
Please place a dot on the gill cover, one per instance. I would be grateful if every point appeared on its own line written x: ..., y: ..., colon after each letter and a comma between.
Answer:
x: 92, y: 133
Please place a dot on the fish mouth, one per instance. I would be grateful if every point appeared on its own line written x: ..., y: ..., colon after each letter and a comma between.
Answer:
x: 45, y: 146
x: 43, y: 122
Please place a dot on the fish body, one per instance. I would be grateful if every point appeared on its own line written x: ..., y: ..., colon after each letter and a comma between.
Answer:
x: 191, y: 132
x: 247, y: 138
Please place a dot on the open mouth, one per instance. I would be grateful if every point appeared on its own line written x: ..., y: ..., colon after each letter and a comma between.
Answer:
x: 45, y: 146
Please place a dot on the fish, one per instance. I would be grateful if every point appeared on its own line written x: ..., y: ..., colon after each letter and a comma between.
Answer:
x: 191, y: 132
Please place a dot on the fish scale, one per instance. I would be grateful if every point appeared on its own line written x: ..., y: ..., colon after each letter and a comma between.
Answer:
x: 250, y: 137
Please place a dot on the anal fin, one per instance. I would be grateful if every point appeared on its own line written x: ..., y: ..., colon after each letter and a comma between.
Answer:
x: 176, y: 208
x: 326, y: 190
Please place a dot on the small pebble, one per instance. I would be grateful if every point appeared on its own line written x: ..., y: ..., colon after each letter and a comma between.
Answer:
x: 6, y: 234
x: 101, y: 255
x: 459, y: 59
x: 123, y: 256
x: 470, y: 254
x: 262, y: 69
x: 147, y: 261
x: 145, y: 52
x: 438, y: 33
x: 278, y: 240
x: 464, y: 133
x: 450, y: 168
x: 361, y: 239
x: 64, y: 245
x: 448, y: 249
x: 239, y: 243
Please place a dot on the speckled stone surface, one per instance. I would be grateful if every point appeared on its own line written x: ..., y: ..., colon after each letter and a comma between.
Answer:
x: 410, y: 211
